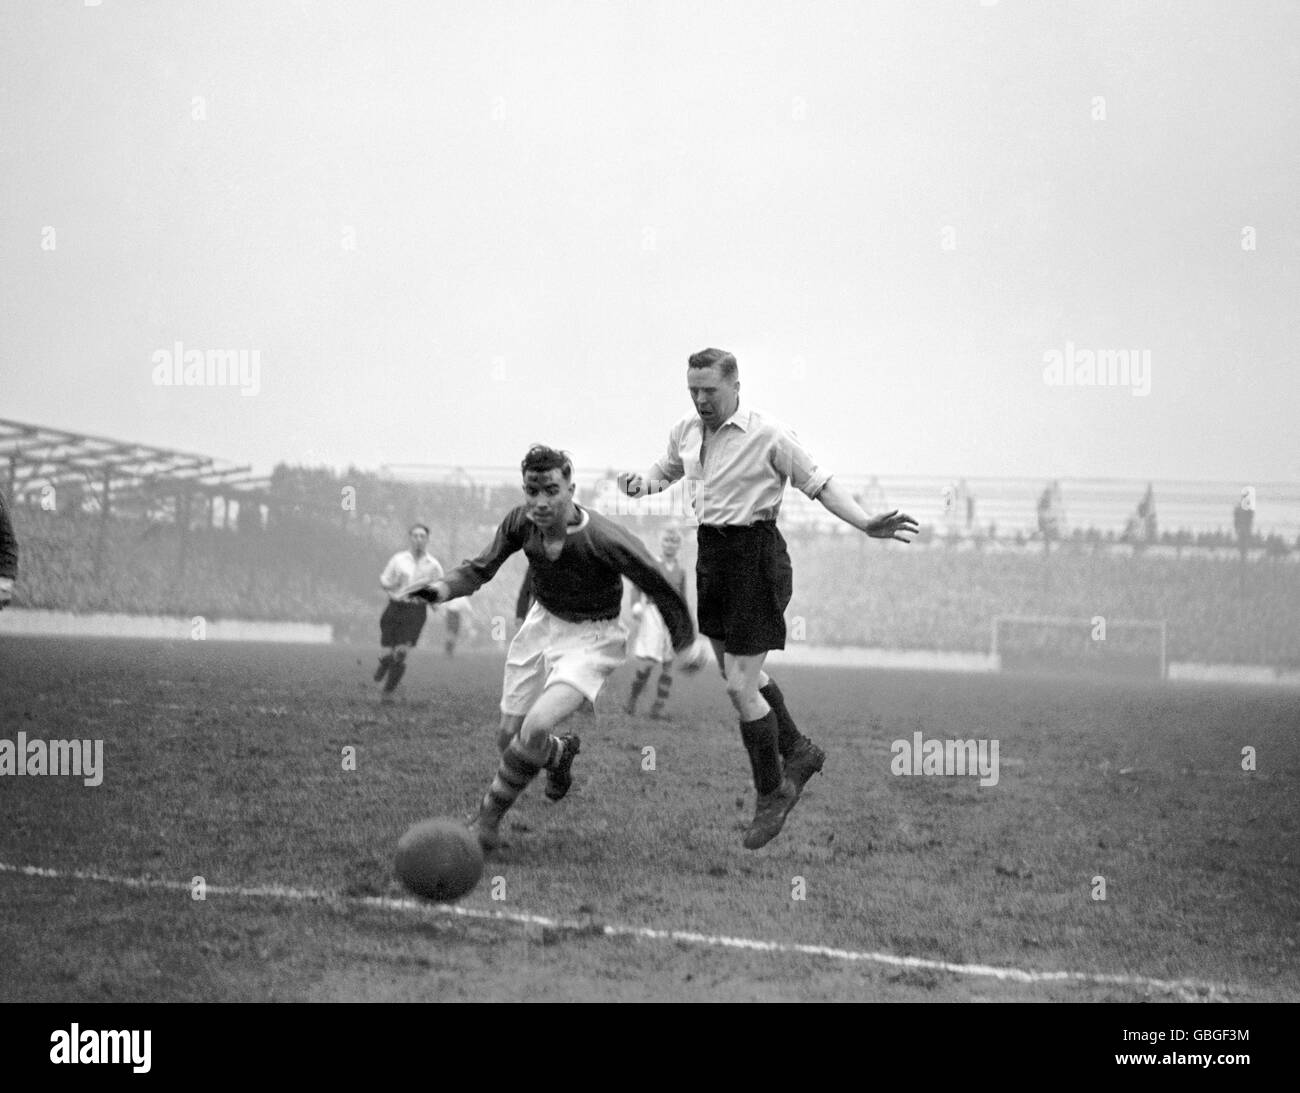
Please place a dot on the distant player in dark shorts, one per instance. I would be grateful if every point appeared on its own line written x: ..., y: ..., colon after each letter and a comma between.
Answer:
x: 403, y: 619
x: 736, y: 462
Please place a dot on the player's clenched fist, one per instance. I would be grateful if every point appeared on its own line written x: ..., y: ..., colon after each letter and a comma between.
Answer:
x: 435, y: 593
x: 631, y: 484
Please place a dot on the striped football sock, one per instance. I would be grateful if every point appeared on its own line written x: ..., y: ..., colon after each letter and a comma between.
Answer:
x: 519, y: 766
x: 639, y: 681
x: 663, y: 689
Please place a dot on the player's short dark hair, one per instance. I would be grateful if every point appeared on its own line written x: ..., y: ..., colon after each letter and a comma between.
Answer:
x: 541, y: 459
x: 707, y: 358
x: 414, y: 526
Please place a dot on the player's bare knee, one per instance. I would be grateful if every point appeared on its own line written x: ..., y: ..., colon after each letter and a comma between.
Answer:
x: 736, y: 689
x: 536, y: 745
x: 507, y: 730
x: 745, y: 697
x: 534, y: 732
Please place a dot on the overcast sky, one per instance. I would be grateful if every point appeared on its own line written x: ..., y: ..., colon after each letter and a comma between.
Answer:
x: 452, y: 229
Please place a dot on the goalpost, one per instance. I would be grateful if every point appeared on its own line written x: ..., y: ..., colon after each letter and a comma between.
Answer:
x: 1058, y: 644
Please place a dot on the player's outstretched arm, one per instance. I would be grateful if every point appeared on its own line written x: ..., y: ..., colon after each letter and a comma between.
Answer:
x: 660, y: 476
x: 525, y: 598
x: 622, y: 550
x: 389, y: 580
x: 471, y: 575
x: 837, y: 500
x: 644, y: 485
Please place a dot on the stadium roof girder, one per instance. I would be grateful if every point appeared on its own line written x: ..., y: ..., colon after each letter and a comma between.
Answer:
x: 38, y: 455
x: 37, y: 468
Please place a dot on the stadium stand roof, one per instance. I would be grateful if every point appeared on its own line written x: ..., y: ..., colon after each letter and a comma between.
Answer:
x: 117, y: 471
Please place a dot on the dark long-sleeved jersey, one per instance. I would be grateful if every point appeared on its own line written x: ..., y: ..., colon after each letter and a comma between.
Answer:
x: 674, y: 575
x: 525, y: 598
x: 8, y: 544
x: 585, y: 581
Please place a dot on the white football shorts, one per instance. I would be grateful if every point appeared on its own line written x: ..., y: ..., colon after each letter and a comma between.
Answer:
x: 548, y: 650
x: 652, y: 640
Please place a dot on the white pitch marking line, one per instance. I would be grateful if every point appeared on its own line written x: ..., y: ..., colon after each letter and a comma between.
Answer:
x: 645, y: 933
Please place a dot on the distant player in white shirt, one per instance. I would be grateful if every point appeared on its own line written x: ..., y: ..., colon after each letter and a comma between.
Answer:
x: 653, y: 646
x: 459, y: 617
x: 403, y: 619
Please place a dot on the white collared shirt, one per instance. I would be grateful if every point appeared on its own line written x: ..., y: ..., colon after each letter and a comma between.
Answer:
x: 402, y: 569
x: 739, y: 476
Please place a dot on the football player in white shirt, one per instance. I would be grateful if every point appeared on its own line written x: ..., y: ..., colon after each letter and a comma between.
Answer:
x: 737, y: 462
x: 653, y: 647
x: 459, y: 616
x: 403, y: 619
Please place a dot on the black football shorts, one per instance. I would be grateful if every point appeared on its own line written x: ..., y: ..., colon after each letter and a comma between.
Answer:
x: 743, y: 582
x: 401, y: 623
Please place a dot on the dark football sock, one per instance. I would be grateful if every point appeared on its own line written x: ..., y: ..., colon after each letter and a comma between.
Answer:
x: 395, y: 673
x: 638, y: 685
x: 760, y: 741
x: 662, y: 690
x: 788, y: 734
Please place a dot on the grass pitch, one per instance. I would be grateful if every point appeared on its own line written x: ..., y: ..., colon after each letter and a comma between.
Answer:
x: 226, y: 762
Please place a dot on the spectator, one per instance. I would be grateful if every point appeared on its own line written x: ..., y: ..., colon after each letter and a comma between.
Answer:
x: 1243, y: 521
x: 1051, y: 514
x: 1147, y: 513
x: 8, y: 555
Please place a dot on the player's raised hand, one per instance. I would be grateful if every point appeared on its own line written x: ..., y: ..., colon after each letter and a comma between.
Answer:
x: 893, y: 525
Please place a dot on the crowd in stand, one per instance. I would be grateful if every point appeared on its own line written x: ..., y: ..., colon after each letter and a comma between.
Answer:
x: 295, y: 569
x: 1216, y: 610
x: 317, y: 560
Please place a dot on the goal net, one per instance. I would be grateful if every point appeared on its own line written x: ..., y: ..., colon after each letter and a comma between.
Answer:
x: 1099, y: 645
